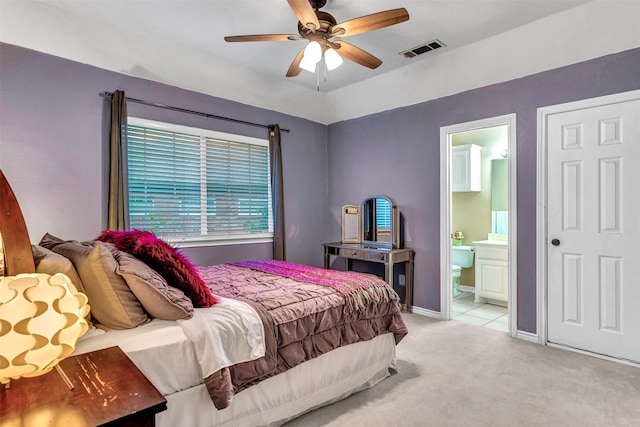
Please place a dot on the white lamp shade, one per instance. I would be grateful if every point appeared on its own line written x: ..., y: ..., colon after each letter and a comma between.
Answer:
x: 332, y: 59
x: 313, y: 52
x: 41, y: 319
x: 308, y: 65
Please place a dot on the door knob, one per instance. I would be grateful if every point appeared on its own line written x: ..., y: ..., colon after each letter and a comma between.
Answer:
x: 555, y: 242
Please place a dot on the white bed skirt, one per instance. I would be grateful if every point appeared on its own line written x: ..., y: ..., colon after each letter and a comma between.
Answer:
x: 317, y: 382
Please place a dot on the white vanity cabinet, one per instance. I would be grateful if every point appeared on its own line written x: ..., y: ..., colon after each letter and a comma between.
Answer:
x: 465, y: 168
x: 492, y: 271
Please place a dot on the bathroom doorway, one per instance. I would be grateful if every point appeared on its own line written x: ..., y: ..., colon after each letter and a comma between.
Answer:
x: 478, y: 222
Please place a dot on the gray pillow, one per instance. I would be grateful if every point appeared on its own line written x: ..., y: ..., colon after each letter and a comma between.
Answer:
x: 49, y: 262
x: 49, y: 241
x: 113, y: 305
x: 154, y: 293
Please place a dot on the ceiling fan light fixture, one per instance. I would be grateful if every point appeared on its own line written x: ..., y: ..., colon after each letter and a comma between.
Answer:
x: 332, y: 59
x: 323, y: 31
x: 313, y: 52
x: 307, y: 64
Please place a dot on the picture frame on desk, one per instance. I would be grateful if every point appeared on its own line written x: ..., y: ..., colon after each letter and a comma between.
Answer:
x: 351, y: 224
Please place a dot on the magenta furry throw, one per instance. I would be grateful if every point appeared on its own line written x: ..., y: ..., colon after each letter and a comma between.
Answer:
x: 168, y: 261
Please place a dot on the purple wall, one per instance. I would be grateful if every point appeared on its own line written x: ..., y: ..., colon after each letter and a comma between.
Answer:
x: 54, y: 153
x: 397, y: 153
x: 53, y: 150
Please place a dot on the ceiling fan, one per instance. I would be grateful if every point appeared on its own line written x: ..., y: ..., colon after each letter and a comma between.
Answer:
x: 324, y: 35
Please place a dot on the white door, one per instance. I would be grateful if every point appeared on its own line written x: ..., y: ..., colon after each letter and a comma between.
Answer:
x: 593, y: 223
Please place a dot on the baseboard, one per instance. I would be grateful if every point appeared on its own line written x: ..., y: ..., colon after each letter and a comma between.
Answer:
x: 466, y: 288
x: 597, y: 355
x: 527, y: 336
x: 427, y: 313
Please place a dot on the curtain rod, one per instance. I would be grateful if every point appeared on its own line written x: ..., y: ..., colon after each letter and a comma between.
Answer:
x: 184, y: 110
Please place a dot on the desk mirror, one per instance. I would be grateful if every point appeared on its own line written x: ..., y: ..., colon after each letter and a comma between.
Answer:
x: 380, y: 222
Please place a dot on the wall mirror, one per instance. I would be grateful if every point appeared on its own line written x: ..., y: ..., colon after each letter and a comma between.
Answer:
x: 351, y: 224
x: 380, y: 222
x: 499, y: 196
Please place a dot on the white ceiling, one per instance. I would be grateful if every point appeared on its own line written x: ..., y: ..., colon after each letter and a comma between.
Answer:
x: 201, y: 26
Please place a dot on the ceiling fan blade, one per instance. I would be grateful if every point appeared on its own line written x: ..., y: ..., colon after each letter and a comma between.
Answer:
x: 262, y: 38
x: 294, y: 68
x: 305, y: 14
x: 370, y: 22
x: 357, y: 55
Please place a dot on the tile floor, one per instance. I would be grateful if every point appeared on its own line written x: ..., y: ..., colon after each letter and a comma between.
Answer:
x: 466, y: 310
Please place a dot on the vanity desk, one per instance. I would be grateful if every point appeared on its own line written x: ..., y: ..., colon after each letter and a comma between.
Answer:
x: 383, y: 255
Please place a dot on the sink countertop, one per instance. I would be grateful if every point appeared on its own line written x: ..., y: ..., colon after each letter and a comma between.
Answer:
x: 491, y: 242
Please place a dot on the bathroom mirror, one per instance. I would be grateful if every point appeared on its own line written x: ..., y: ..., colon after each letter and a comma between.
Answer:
x: 380, y: 222
x: 499, y: 196
x: 499, y: 184
x: 351, y: 224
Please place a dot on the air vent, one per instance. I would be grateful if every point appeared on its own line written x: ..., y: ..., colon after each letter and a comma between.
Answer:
x: 419, y: 50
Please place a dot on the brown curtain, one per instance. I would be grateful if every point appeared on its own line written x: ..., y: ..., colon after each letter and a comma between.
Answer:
x: 118, y: 204
x: 277, y: 194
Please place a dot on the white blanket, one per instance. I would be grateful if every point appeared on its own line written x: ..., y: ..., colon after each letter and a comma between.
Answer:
x: 228, y: 333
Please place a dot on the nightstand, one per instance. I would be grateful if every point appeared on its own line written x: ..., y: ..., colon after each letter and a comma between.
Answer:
x: 108, y: 390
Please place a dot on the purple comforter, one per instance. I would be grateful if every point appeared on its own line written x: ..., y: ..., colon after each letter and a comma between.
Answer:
x: 302, y: 320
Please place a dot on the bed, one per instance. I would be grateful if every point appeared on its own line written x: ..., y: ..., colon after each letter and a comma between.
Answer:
x: 245, y: 344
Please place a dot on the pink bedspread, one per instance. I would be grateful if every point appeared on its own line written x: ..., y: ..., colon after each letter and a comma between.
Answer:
x: 302, y: 319
x: 357, y: 289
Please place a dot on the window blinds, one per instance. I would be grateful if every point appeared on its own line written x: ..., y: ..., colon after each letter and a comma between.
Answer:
x: 191, y: 186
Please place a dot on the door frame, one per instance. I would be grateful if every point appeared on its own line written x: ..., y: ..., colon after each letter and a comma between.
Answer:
x: 446, y: 132
x: 541, y: 203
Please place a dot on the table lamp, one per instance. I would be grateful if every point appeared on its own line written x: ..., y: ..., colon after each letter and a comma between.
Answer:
x: 41, y: 319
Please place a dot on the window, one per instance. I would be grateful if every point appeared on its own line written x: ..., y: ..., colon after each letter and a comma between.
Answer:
x: 195, y: 186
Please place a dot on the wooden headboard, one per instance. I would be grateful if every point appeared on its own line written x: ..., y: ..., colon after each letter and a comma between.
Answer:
x: 18, y: 257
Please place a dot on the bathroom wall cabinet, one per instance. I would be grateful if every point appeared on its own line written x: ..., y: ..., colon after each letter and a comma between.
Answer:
x: 492, y: 271
x: 465, y: 168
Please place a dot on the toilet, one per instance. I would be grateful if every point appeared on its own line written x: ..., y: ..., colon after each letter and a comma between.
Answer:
x: 461, y: 257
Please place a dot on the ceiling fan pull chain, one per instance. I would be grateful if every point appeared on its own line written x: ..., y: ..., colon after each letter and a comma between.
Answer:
x: 324, y: 62
x: 318, y: 77
x: 325, y: 70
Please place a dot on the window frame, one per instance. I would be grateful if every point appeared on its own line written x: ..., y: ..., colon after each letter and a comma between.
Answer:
x: 252, y: 238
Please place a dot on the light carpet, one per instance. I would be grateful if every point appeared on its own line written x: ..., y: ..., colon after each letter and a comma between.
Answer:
x: 455, y: 374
